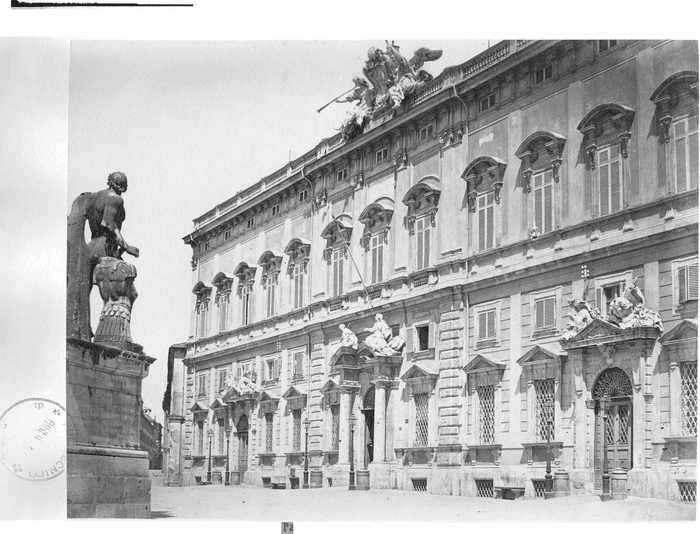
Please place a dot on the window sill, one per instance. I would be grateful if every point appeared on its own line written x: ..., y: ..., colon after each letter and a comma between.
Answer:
x: 544, y: 332
x: 423, y: 355
x: 530, y: 448
x: 267, y: 383
x: 673, y: 444
x: 472, y: 451
x: 486, y: 343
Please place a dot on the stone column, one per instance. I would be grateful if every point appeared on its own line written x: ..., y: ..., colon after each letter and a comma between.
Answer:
x: 343, y: 449
x: 379, y: 421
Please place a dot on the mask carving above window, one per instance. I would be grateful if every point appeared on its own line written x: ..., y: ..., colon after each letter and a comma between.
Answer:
x: 338, y: 232
x: 377, y: 217
x: 244, y: 272
x: 545, y: 148
x: 270, y: 261
x: 298, y: 251
x: 482, y: 174
x: 606, y: 121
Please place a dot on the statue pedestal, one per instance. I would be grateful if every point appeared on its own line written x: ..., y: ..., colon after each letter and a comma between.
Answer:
x: 107, y: 471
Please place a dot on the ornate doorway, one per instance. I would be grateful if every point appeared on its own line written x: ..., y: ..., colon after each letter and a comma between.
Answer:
x: 242, y: 431
x: 368, y: 412
x: 613, y: 395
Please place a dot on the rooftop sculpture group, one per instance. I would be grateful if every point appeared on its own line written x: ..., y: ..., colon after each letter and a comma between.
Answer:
x: 390, y: 77
x: 627, y: 311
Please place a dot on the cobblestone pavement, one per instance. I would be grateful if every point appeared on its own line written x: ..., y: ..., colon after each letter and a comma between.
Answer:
x: 253, y: 503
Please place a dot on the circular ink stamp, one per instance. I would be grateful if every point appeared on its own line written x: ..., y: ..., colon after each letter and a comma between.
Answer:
x: 33, y: 439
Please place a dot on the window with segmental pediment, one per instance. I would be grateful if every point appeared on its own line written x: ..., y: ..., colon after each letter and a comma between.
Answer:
x: 422, y: 201
x: 270, y: 263
x: 337, y: 235
x: 246, y: 279
x: 484, y: 177
x: 223, y: 284
x: 298, y: 251
x: 203, y: 296
x: 376, y: 218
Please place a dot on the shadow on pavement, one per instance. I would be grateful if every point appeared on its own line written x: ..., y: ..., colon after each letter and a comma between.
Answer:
x: 156, y: 514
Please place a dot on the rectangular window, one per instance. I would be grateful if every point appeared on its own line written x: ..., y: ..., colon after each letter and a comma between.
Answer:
x: 203, y: 317
x: 221, y: 377
x: 422, y: 337
x: 486, y: 414
x: 205, y: 246
x: 338, y: 287
x: 298, y: 275
x: 250, y: 222
x: 689, y: 398
x: 298, y: 364
x: 246, y: 304
x: 272, y: 369
x: 610, y: 179
x: 377, y: 254
x: 485, y: 209
x: 486, y: 325
x: 201, y: 385
x: 606, y: 44
x: 222, y: 432
x: 335, y: 427
x: 296, y: 430
x: 543, y: 198
x: 685, y: 153
x: 687, y: 283
x: 200, y: 437
x: 421, y: 407
x: 423, y: 227
x: 605, y: 294
x: 269, y: 420
x: 425, y: 132
x: 270, y: 284
x: 227, y: 235
x: 544, y: 73
x: 341, y: 175
x: 303, y: 195
x: 544, y: 409
x: 545, y: 313
x: 275, y: 210
x: 381, y: 155
x: 246, y: 370
x: 487, y: 102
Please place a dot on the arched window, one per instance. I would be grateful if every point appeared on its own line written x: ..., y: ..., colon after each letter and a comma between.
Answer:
x: 377, y: 221
x: 606, y: 130
x: 676, y: 101
x: 541, y: 157
x: 484, y: 177
x: 298, y: 251
x: 422, y: 202
x: 271, y: 263
x: 246, y: 278
x: 337, y: 235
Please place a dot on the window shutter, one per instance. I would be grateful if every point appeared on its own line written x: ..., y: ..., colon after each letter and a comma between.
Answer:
x: 419, y: 246
x: 380, y: 262
x: 538, y: 210
x: 278, y: 367
x: 482, y: 230
x: 207, y: 382
x: 549, y: 311
x: 680, y: 140
x: 489, y: 226
x: 548, y: 216
x: 431, y: 335
x: 539, y: 314
x: 426, y: 245
x: 693, y: 152
x: 599, y: 301
x: 481, y: 331
x: 411, y: 333
x: 682, y: 284
x: 491, y: 318
x: 693, y: 282
x: 615, y: 182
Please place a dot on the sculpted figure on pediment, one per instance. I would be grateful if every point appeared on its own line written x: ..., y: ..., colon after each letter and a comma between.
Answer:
x: 580, y: 316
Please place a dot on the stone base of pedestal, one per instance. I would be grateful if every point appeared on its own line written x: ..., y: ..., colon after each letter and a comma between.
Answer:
x: 236, y: 478
x: 107, y: 473
x: 561, y: 484
x: 110, y: 483
x: 362, y: 482
x: 315, y: 479
x: 380, y: 476
x: 618, y: 484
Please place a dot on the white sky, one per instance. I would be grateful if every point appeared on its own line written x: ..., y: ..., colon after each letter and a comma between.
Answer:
x: 190, y: 123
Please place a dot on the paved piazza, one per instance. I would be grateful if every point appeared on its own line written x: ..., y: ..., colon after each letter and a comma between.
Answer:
x: 253, y: 503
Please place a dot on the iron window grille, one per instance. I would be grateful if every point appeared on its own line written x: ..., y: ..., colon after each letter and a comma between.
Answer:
x: 687, y: 491
x: 422, y: 419
x: 335, y: 427
x: 269, y: 419
x: 200, y: 437
x: 689, y: 398
x: 484, y: 487
x: 544, y: 409
x: 420, y: 484
x: 486, y: 414
x: 296, y: 428
x: 222, y: 431
x: 538, y: 486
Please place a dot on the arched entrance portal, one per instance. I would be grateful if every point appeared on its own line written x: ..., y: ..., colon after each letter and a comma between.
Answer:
x: 613, y: 393
x: 368, y: 412
x: 242, y: 432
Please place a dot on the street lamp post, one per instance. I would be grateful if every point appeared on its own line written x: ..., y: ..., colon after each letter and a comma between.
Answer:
x: 228, y: 472
x: 548, y: 490
x: 307, y: 424
x: 210, y: 433
x: 605, y: 407
x: 351, y: 486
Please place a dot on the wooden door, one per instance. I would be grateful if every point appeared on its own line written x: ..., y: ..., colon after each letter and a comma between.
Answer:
x: 618, y: 434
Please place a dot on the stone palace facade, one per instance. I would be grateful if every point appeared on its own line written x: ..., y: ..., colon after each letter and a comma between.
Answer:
x: 526, y: 222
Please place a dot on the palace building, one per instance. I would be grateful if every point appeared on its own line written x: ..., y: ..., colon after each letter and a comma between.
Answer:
x: 526, y: 224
